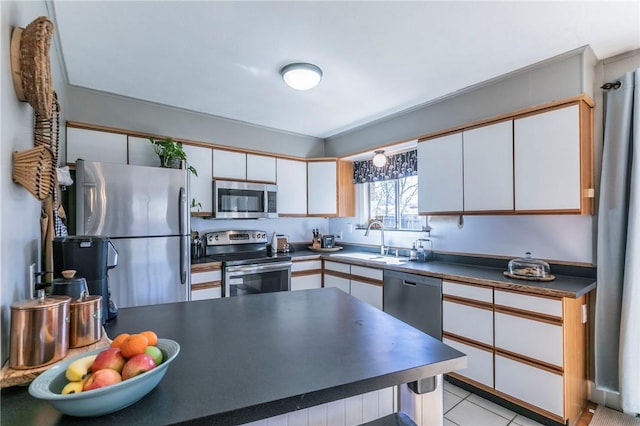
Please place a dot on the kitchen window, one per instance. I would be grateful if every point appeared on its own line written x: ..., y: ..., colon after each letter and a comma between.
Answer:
x: 389, y: 193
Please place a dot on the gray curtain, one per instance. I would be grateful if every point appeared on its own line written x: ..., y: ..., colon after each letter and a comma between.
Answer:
x: 617, y: 322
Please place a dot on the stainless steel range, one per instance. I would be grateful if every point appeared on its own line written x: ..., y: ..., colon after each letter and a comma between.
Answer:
x: 247, y: 267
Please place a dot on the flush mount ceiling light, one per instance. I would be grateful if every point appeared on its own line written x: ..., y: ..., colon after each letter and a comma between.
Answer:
x: 379, y: 159
x: 301, y: 76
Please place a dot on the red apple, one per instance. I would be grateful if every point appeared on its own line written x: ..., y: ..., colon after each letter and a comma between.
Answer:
x: 109, y: 358
x: 102, y: 378
x: 137, y: 364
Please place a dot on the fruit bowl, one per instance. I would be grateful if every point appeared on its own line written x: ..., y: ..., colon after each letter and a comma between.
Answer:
x: 104, y: 400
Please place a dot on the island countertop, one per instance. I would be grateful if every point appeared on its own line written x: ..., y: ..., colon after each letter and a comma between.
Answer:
x: 252, y: 357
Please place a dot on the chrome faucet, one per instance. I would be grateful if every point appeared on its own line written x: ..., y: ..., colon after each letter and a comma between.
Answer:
x: 381, y: 225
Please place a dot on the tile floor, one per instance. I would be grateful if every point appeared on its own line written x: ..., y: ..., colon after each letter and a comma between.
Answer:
x: 462, y: 408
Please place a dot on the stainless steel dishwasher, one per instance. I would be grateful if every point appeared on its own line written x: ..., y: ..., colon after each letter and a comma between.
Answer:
x: 414, y: 299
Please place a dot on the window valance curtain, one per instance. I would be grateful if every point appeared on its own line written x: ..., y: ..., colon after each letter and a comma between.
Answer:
x: 398, y: 166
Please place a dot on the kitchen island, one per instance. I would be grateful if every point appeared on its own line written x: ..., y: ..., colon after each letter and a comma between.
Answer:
x: 247, y: 358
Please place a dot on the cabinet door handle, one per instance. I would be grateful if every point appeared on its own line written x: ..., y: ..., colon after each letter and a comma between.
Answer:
x: 411, y: 283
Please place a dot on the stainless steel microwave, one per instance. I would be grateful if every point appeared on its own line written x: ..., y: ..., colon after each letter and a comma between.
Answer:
x: 244, y: 200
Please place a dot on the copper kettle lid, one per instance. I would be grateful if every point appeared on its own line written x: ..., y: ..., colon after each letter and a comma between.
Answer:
x: 44, y: 302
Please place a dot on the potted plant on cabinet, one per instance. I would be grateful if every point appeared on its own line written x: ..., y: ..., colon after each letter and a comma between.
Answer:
x: 171, y: 153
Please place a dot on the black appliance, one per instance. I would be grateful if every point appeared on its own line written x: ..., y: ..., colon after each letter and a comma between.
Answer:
x: 92, y: 257
x: 247, y: 267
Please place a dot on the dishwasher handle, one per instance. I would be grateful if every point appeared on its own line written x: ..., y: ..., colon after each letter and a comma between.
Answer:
x: 411, y: 280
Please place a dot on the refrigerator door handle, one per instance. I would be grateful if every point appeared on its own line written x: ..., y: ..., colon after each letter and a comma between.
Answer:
x: 184, y: 259
x: 182, y: 211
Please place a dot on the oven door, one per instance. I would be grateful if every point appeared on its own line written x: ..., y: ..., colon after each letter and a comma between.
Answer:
x: 257, y: 278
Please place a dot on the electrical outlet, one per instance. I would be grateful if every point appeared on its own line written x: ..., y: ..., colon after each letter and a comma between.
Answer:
x: 32, y: 278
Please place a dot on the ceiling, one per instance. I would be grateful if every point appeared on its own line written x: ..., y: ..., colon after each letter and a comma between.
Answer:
x: 223, y: 58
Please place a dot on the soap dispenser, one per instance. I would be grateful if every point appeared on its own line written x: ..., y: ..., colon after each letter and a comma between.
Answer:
x: 413, y: 254
x: 421, y: 255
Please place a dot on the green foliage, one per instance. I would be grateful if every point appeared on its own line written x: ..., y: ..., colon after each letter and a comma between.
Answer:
x: 168, y: 150
x: 195, y: 204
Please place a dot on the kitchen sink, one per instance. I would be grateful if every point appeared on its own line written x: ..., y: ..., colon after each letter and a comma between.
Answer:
x: 372, y: 257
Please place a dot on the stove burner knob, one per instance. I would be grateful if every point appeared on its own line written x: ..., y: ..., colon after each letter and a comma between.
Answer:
x: 217, y: 237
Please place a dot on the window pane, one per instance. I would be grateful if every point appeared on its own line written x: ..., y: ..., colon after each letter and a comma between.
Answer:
x: 395, y: 203
x: 382, y: 202
x: 408, y: 203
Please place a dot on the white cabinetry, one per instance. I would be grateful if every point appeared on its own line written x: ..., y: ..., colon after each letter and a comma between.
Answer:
x: 337, y: 275
x: 229, y: 164
x: 292, y: 187
x: 206, y: 281
x: 306, y: 274
x: 141, y: 152
x: 547, y: 161
x: 201, y: 186
x: 366, y: 285
x: 94, y: 145
x: 440, y: 183
x: 467, y: 325
x: 322, y: 188
x: 361, y: 282
x: 488, y: 168
x: 261, y: 168
x: 535, y: 161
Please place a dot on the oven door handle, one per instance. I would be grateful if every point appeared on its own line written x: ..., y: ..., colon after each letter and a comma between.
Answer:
x: 251, y: 269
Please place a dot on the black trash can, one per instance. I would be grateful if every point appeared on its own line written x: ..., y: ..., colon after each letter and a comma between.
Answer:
x: 90, y: 256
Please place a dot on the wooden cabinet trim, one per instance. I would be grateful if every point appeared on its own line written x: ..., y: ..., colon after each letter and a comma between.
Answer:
x: 467, y: 341
x: 305, y: 273
x: 469, y: 302
x: 344, y: 275
x: 534, y: 316
x: 366, y: 280
x: 206, y: 267
x: 203, y: 286
x: 551, y: 368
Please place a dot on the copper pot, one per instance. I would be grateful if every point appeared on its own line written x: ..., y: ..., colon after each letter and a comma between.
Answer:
x: 85, y: 326
x: 39, y: 331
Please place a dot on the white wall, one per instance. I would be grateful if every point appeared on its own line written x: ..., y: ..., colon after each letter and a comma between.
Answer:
x: 19, y: 210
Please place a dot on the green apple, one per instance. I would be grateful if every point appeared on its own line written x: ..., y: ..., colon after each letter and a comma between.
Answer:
x: 155, y: 353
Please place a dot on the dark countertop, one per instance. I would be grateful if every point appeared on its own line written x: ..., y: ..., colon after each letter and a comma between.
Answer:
x: 252, y: 357
x: 563, y: 286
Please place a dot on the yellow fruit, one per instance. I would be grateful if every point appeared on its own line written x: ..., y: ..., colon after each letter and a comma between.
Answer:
x: 79, y: 368
x: 72, y: 387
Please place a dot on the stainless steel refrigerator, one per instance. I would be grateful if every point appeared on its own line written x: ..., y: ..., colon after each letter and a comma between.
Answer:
x: 145, y: 213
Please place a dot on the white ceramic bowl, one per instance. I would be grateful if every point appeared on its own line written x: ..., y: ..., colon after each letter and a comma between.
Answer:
x: 108, y: 399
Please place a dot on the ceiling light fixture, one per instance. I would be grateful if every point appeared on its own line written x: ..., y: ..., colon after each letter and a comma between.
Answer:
x: 301, y: 76
x: 379, y: 159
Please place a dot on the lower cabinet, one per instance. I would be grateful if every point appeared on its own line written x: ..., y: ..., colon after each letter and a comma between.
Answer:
x: 527, y: 349
x: 306, y: 274
x: 479, y: 361
x: 359, y: 281
x: 206, y: 281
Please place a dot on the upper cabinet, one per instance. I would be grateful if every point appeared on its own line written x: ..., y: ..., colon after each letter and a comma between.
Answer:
x: 261, y: 168
x: 330, y: 188
x: 322, y: 188
x: 229, y: 164
x: 440, y: 188
x: 236, y: 165
x: 201, y: 159
x: 548, y: 162
x: 535, y: 162
x: 488, y: 168
x: 292, y: 187
x: 95, y: 145
x: 141, y: 152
